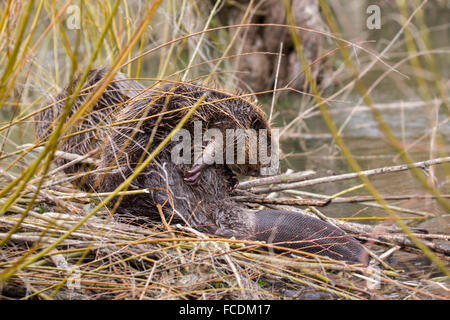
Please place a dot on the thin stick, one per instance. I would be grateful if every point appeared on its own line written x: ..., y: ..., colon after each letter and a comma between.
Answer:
x: 399, y: 197
x: 346, y: 176
x: 202, y: 36
x: 66, y: 155
x: 276, y: 81
x: 379, y: 106
x: 283, y: 178
x: 85, y: 157
x: 284, y: 201
x: 370, y: 204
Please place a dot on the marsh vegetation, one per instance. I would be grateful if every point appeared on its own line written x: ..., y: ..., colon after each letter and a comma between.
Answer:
x: 363, y: 115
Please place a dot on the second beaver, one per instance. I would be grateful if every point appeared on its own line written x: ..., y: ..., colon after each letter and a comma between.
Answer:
x: 198, y: 194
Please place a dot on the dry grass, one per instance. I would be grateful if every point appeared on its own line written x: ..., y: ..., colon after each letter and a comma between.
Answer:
x: 90, y: 254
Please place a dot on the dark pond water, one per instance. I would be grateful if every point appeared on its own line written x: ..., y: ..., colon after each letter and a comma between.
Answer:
x: 309, y: 146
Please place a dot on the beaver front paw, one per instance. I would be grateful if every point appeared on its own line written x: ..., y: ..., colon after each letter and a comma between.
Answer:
x: 193, y: 175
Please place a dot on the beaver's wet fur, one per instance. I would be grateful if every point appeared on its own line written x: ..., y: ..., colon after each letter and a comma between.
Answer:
x: 144, y: 120
x: 116, y: 93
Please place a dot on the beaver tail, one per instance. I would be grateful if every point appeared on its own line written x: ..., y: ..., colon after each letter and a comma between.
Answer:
x: 283, y: 228
x: 87, y: 133
x: 308, y: 234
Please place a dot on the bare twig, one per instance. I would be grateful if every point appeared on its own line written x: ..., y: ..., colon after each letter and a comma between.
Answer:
x: 66, y: 155
x: 291, y: 202
x: 283, y: 178
x: 385, y: 197
x: 352, y: 175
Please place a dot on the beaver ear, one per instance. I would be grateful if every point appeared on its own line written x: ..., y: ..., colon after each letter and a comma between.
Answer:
x: 257, y: 123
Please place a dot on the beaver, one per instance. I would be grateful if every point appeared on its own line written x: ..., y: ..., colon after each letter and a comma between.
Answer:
x: 197, y: 193
x: 86, y: 135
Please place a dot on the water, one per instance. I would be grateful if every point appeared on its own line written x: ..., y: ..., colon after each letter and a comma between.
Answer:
x: 363, y: 138
x: 316, y: 150
x: 395, y: 96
